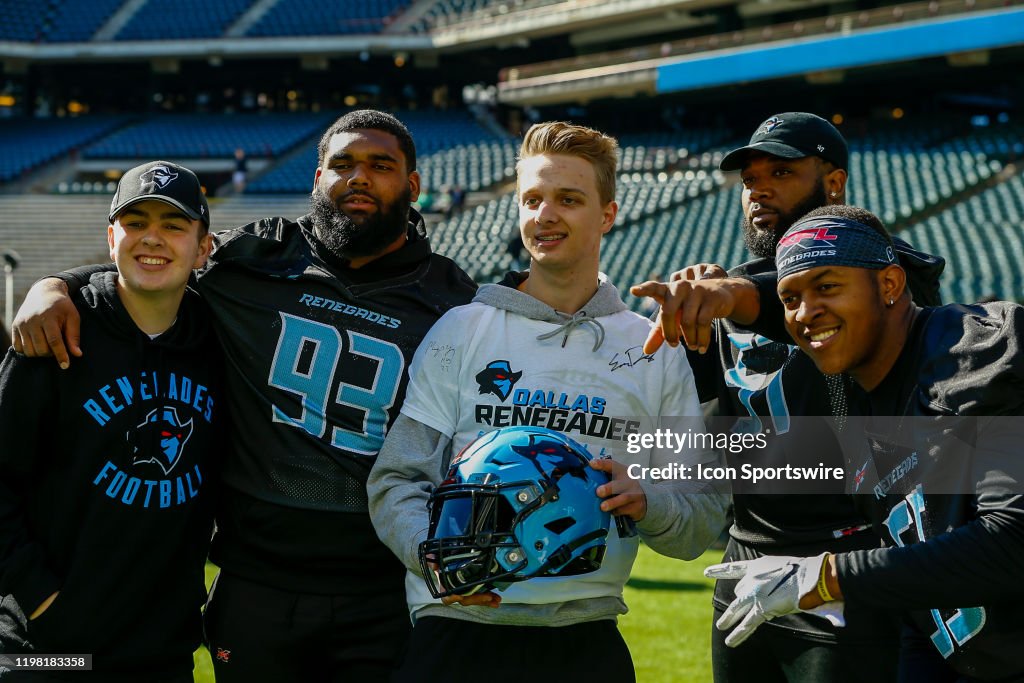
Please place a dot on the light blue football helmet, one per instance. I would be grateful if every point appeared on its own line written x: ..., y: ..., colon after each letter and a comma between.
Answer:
x: 518, y: 503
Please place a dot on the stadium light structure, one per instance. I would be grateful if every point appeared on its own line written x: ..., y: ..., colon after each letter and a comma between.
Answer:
x: 11, y: 261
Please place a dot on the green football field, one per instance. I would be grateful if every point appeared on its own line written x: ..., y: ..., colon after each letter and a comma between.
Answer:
x: 667, y: 628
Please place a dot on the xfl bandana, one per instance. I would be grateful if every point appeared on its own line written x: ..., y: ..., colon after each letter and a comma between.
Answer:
x: 831, y: 241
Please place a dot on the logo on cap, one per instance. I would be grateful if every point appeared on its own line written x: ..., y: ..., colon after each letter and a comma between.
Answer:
x: 159, y: 175
x: 770, y: 125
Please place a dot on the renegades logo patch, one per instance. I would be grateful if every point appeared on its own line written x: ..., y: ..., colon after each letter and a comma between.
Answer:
x: 498, y: 379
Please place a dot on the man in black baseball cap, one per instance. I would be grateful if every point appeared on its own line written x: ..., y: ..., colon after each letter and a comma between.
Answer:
x: 793, y: 135
x: 164, y: 181
x: 97, y: 553
x: 795, y: 162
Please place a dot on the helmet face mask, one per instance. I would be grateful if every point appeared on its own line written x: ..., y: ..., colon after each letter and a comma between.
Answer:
x: 518, y: 502
x: 467, y: 540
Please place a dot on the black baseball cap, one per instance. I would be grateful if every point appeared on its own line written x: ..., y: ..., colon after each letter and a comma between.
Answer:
x: 793, y: 135
x: 165, y: 182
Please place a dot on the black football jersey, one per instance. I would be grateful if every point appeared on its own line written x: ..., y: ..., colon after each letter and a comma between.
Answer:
x: 317, y: 358
x: 943, y: 474
x: 765, y: 385
x: 317, y: 355
x: 770, y: 387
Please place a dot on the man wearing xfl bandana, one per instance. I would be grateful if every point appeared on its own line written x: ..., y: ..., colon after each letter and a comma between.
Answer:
x: 936, y: 453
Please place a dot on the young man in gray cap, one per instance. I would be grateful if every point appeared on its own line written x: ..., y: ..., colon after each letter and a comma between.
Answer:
x: 794, y: 162
x: 105, y: 500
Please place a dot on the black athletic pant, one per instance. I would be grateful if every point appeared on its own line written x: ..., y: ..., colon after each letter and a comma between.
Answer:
x: 920, y: 661
x: 778, y: 655
x: 258, y: 633
x: 457, y: 651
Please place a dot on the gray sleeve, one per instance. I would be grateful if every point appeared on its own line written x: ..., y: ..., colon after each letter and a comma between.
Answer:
x: 683, y: 517
x: 410, y: 464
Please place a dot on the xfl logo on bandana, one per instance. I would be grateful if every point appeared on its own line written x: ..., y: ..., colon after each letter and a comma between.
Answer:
x: 804, y: 244
x: 160, y: 176
x: 815, y: 234
x: 770, y: 125
x: 498, y: 379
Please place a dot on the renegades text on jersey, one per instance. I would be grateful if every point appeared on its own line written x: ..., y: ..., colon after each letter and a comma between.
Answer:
x: 310, y: 421
x: 316, y: 357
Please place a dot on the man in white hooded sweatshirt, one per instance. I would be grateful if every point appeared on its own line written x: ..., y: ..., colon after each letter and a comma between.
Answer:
x: 552, y: 347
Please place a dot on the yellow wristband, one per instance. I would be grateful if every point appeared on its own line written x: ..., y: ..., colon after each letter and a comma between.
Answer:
x: 822, y: 586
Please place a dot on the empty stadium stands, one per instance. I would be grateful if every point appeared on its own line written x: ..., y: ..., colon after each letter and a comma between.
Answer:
x: 946, y: 182
x: 444, y: 12
x: 983, y: 242
x: 477, y: 238
x: 54, y: 21
x: 181, y: 19
x: 1002, y: 142
x: 704, y: 229
x: 78, y: 21
x: 312, y: 17
x: 23, y: 21
x: 209, y: 135
x: 658, y: 151
x: 897, y: 184
x: 27, y: 143
x: 50, y: 236
x: 472, y: 166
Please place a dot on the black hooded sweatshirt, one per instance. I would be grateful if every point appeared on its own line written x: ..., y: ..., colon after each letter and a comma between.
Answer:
x: 106, y: 479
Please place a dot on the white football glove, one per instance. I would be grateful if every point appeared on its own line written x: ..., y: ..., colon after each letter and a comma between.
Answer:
x: 770, y: 587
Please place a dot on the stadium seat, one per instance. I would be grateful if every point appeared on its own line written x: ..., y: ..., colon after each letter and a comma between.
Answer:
x: 210, y: 135
x: 311, y: 17
x: 982, y: 240
x: 182, y: 19
x: 27, y: 143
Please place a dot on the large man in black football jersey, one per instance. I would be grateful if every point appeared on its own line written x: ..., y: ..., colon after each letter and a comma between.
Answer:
x: 939, y: 446
x: 319, y: 318
x: 794, y: 162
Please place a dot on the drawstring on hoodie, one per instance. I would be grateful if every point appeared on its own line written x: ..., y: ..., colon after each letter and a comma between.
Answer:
x: 572, y: 322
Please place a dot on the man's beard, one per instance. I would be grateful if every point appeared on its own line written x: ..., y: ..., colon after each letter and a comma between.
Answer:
x: 347, y: 239
x: 762, y: 243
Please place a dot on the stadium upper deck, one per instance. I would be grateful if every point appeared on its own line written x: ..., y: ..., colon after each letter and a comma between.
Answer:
x: 267, y: 75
